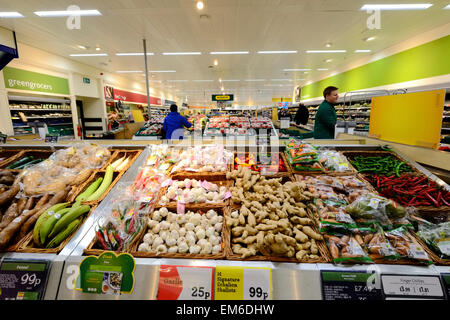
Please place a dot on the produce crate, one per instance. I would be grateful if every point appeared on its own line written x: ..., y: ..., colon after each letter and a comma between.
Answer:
x: 325, y: 256
x: 224, y: 211
x: 117, y: 154
x: 9, y: 156
x: 195, y: 206
x: 352, y: 154
x: 44, y: 154
x: 267, y: 173
x: 27, y: 245
x: 94, y: 176
x: 209, y: 176
x: 421, y: 208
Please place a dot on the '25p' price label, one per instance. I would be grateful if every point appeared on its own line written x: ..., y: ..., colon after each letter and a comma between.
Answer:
x: 243, y: 283
x: 185, y: 283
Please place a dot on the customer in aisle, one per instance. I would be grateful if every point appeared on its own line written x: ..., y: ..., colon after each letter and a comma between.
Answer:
x: 173, y: 124
x: 325, y: 121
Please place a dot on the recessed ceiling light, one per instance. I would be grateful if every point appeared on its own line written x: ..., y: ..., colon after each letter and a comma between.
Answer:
x: 447, y: 7
x: 200, y: 5
x: 296, y: 70
x: 406, y: 6
x: 220, y: 79
x: 362, y: 51
x: 89, y: 55
x: 369, y: 39
x: 134, y: 54
x: 181, y: 53
x: 67, y: 13
x: 275, y: 52
x: 229, y: 52
x: 328, y: 45
x: 322, y: 69
x: 11, y: 14
x: 162, y: 71
x: 129, y: 71
x: 97, y: 49
x: 216, y: 62
x: 328, y: 60
x: 223, y: 89
x: 326, y: 51
x: 82, y: 47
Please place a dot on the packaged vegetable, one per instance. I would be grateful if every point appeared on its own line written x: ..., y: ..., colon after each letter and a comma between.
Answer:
x: 331, y: 217
x: 333, y: 161
x: 344, y: 248
x: 406, y: 246
x: 371, y: 207
x: 378, y: 245
x: 436, y: 236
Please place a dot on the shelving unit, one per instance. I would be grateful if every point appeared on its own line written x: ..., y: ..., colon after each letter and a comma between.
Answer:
x: 54, y: 113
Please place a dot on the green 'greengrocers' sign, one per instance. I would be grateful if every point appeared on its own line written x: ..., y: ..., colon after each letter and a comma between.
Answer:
x: 34, y: 81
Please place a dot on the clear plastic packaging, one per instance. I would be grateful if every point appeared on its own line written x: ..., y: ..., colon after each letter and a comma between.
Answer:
x: 333, y: 161
x: 406, y: 246
x: 437, y: 237
x: 344, y: 248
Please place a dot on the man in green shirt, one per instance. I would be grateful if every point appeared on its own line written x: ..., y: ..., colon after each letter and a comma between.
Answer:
x: 326, y: 118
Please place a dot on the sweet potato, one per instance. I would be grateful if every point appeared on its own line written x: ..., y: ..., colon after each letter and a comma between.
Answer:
x: 7, y: 196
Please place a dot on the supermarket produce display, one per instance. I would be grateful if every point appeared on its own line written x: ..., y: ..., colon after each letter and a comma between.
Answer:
x: 178, y: 204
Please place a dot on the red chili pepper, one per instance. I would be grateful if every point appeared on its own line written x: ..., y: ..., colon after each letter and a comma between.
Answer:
x: 445, y: 202
x: 433, y: 200
x: 101, y: 240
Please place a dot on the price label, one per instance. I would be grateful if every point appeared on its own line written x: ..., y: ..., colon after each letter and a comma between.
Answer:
x: 285, y: 123
x: 355, y: 285
x: 51, y: 138
x: 23, y: 280
x: 243, y: 283
x: 181, y: 207
x: 412, y: 286
x: 185, y: 283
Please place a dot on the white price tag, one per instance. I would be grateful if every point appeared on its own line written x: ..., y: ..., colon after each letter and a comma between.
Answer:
x: 257, y: 284
x: 185, y: 283
x: 412, y: 286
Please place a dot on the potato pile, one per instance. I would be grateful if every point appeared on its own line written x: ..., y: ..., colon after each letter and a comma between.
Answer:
x: 272, y: 220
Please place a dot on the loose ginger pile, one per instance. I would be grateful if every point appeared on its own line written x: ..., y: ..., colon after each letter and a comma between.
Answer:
x: 272, y: 220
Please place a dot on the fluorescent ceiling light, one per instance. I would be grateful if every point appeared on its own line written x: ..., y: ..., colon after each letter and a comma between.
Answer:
x: 369, y: 39
x: 230, y: 80
x: 162, y: 71
x: 322, y: 69
x: 89, y: 55
x: 296, y: 69
x: 281, y: 79
x: 275, y: 52
x: 447, y: 7
x: 11, y: 14
x: 326, y: 51
x: 134, y: 54
x: 299, y: 79
x: 200, y: 5
x: 177, y: 80
x: 405, y: 6
x: 181, y: 53
x: 362, y: 51
x: 203, y: 80
x: 229, y: 52
x: 67, y: 13
x: 130, y: 71
x: 255, y: 80
x: 82, y: 47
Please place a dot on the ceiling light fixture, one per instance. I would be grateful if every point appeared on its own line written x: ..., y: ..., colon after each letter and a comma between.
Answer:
x: 369, y: 39
x: 281, y: 79
x: 231, y: 80
x: 181, y: 53
x: 406, y: 6
x: 447, y: 7
x: 328, y: 45
x: 162, y: 71
x: 89, y: 55
x: 322, y: 69
x: 362, y: 51
x: 275, y: 52
x: 203, y: 80
x: 97, y: 49
x: 255, y: 80
x: 216, y: 62
x: 229, y: 52
x: 177, y: 80
x: 67, y: 13
x: 290, y: 70
x: 82, y: 47
x: 129, y: 71
x: 326, y: 51
x: 220, y: 79
x: 134, y: 54
x: 200, y: 5
x: 328, y: 60
x: 11, y: 14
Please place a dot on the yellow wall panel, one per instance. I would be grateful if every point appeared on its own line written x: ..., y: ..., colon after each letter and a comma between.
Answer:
x: 412, y: 118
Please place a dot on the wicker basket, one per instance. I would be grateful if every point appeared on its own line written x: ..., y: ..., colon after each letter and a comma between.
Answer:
x: 27, y: 245
x: 195, y: 206
x: 323, y: 250
x: 269, y: 174
x: 44, y: 154
x: 10, y: 157
x: 225, y: 244
x: 117, y: 154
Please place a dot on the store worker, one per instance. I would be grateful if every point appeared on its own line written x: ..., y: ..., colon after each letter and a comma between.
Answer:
x: 113, y: 119
x: 173, y: 124
x: 325, y: 121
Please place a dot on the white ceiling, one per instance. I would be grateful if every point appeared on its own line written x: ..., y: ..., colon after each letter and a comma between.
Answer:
x: 232, y: 25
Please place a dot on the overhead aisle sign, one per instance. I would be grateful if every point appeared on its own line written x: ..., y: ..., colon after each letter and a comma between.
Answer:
x: 222, y: 97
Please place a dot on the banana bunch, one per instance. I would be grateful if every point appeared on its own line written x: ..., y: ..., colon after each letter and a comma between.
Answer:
x: 58, y: 223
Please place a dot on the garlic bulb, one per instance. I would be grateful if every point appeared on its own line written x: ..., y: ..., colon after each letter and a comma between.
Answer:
x: 156, y: 229
x: 144, y: 247
x: 218, y: 227
x: 151, y: 223
x: 200, y: 234
x: 189, y: 226
x: 164, y: 225
x: 216, y: 249
x: 163, y: 212
x: 164, y: 234
x: 149, y: 237
x: 182, y: 231
x: 156, y: 216
x: 194, y: 249
x: 210, y: 231
x: 183, y: 247
x: 161, y: 249
x: 173, y: 249
x: 207, y: 248
x: 181, y: 240
x: 171, y: 241
x: 157, y: 242
x: 210, y: 214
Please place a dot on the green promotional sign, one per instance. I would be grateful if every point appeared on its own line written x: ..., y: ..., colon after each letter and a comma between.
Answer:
x: 34, y: 81
x: 107, y: 274
x: 425, y: 61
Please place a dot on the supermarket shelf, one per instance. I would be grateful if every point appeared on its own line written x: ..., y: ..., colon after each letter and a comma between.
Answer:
x: 48, y: 110
x: 17, y: 118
